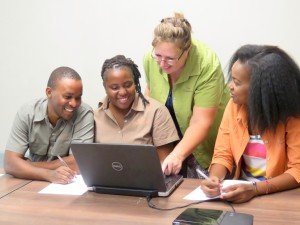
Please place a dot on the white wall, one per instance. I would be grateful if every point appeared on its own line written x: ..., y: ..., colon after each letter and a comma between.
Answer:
x: 39, y: 35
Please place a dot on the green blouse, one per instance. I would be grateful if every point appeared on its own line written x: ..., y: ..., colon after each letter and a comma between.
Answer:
x: 201, y: 83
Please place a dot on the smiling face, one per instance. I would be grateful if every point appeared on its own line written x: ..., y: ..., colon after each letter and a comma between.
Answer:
x: 169, y: 51
x: 120, y: 88
x: 63, y: 99
x: 239, y: 86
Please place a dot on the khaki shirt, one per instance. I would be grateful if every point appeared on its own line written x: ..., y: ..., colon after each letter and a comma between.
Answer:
x: 142, y: 125
x: 32, y: 131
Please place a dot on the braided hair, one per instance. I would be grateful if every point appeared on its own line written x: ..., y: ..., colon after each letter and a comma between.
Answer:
x: 120, y: 61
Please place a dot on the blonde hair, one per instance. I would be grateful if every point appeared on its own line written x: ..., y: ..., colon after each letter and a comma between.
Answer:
x: 174, y: 29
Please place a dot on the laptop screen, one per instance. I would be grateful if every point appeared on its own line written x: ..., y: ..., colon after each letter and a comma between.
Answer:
x: 119, y: 165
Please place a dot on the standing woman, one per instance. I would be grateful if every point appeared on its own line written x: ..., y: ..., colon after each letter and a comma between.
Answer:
x: 260, y: 129
x: 186, y: 76
x: 126, y: 116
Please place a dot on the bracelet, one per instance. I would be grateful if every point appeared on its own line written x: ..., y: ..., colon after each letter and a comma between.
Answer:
x: 255, y: 187
x: 268, y: 187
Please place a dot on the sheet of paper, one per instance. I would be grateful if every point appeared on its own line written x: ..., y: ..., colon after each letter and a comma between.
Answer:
x: 77, y: 187
x: 198, y: 194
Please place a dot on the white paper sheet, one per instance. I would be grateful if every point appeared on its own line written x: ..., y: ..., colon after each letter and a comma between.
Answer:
x: 198, y: 194
x: 77, y: 187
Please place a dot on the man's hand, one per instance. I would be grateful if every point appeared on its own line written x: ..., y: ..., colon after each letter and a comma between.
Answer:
x: 61, y: 175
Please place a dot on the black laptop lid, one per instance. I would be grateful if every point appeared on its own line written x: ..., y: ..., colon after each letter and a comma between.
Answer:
x: 119, y: 165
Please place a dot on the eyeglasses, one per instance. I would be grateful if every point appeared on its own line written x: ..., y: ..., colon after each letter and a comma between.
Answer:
x: 169, y: 61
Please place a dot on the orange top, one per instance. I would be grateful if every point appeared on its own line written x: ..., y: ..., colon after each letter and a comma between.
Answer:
x: 283, y: 147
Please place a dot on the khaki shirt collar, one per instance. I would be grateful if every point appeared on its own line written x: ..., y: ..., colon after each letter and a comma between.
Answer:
x: 40, y: 111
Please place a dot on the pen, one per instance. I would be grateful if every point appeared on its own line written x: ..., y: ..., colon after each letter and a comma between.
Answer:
x: 62, y: 161
x: 202, y: 174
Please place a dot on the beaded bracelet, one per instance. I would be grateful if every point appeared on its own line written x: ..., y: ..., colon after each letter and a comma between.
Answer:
x: 255, y: 186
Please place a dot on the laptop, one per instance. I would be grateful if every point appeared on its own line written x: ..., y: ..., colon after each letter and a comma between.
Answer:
x: 124, y: 169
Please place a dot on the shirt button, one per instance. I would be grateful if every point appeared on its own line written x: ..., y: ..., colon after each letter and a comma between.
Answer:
x: 266, y: 142
x: 125, y: 121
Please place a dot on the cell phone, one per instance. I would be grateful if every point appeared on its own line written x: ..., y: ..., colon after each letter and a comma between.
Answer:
x: 196, y: 216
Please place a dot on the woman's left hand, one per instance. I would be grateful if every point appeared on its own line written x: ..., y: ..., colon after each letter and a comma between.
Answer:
x: 238, y: 193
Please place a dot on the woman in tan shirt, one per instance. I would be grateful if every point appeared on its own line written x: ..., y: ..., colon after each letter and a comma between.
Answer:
x: 126, y: 116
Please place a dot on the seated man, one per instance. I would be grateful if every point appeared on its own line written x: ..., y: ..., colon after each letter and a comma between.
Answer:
x: 46, y: 127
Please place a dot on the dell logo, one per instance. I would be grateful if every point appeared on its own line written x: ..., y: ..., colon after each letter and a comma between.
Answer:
x: 117, y: 166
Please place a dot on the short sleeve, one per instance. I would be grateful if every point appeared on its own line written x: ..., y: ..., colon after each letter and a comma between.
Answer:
x: 164, y: 130
x: 210, y: 85
x: 18, y: 138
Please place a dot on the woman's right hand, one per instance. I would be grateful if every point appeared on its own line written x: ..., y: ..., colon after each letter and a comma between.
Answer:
x: 171, y: 165
x: 211, y: 186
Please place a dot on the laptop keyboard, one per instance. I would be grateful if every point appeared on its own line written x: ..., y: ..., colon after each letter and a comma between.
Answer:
x: 171, y: 180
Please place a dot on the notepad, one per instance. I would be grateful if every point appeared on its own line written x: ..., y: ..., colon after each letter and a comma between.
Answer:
x: 77, y: 187
x: 198, y: 194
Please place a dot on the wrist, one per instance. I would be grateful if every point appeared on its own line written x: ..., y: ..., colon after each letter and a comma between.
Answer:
x: 177, y: 156
x: 44, y: 174
x: 255, y: 189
